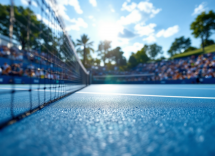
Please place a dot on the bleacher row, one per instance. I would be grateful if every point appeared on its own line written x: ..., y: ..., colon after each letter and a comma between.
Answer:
x: 193, y: 67
x: 33, y: 64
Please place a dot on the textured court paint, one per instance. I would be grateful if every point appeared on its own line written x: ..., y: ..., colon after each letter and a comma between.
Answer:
x: 90, y: 124
x: 22, y: 98
x: 166, y: 96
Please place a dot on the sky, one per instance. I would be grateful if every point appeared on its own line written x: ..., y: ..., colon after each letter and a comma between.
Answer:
x: 131, y: 24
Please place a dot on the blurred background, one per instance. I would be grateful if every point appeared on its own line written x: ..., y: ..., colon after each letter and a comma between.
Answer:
x: 128, y: 41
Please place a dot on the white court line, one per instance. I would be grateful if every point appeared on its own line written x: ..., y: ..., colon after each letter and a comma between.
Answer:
x: 185, y: 97
x: 192, y: 88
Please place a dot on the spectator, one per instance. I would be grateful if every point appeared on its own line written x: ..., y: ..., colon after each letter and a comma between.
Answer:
x: 30, y: 66
x: 39, y: 73
x: 32, y: 73
x: 5, y: 52
x: 49, y: 75
x: 6, y: 69
x: 19, y: 57
x: 15, y: 70
x: 27, y: 72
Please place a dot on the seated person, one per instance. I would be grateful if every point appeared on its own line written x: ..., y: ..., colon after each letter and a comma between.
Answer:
x: 5, y: 52
x: 19, y: 57
x: 13, y: 56
x: 30, y: 66
x: 16, y: 70
x: 32, y: 73
x: 6, y: 69
x: 20, y: 68
x: 27, y: 72
x: 42, y: 73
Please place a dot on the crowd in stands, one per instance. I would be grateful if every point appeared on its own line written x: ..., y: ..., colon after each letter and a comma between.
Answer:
x: 32, y: 63
x: 201, y: 66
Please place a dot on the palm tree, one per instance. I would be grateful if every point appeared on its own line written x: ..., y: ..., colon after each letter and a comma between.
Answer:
x: 85, y: 43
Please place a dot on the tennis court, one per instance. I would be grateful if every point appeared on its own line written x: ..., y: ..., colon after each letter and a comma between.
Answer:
x: 118, y: 120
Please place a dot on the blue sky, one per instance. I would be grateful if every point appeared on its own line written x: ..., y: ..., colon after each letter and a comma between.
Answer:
x: 132, y: 23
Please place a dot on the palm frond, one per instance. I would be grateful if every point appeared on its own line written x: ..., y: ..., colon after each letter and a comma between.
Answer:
x: 79, y: 41
x: 90, y: 43
x: 91, y: 49
x: 79, y: 44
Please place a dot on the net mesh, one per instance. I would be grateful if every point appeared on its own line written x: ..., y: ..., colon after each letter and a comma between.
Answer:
x: 39, y: 64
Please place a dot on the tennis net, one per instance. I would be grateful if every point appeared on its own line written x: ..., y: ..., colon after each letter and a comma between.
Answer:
x: 38, y: 61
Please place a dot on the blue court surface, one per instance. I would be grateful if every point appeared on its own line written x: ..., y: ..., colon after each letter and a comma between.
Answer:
x: 122, y: 120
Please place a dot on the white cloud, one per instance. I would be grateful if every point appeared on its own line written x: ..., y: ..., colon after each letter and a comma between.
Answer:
x: 148, y: 8
x: 133, y: 17
x: 77, y: 24
x: 150, y: 39
x: 199, y: 9
x: 74, y: 3
x: 93, y: 2
x: 92, y: 18
x: 145, y: 30
x: 48, y: 22
x: 34, y: 3
x: 133, y: 48
x: 74, y: 24
x: 119, y: 42
x: 25, y: 2
x: 94, y: 25
x: 62, y: 12
x: 76, y: 6
x: 168, y: 32
x: 127, y: 7
x: 142, y: 11
x: 111, y: 8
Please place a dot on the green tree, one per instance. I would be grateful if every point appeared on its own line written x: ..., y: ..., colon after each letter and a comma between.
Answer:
x: 190, y: 49
x: 97, y: 61
x: 65, y: 49
x: 160, y: 59
x: 85, y: 47
x: 153, y: 50
x: 28, y: 30
x: 141, y: 55
x: 203, y: 26
x: 103, y: 49
x: 116, y: 55
x: 179, y: 45
x: 132, y: 62
x: 25, y: 26
x: 138, y: 57
x: 208, y: 42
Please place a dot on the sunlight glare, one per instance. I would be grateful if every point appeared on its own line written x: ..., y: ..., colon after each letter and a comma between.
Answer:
x: 109, y: 31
